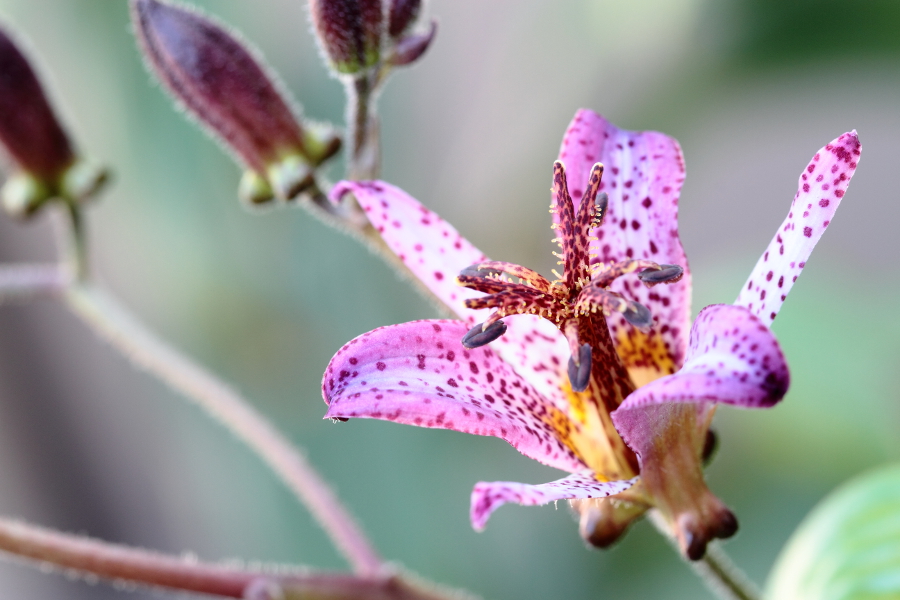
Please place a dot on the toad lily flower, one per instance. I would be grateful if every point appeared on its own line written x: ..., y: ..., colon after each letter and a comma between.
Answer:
x: 599, y: 372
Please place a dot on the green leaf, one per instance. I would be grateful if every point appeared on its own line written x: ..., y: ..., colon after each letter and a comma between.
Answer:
x: 848, y: 547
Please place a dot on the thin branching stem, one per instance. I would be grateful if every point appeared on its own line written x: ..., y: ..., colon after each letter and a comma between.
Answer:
x: 112, y: 322
x: 145, y: 350
x: 717, y: 571
x: 364, y: 147
x: 723, y: 575
x: 94, y: 558
x: 24, y: 281
x: 77, y: 251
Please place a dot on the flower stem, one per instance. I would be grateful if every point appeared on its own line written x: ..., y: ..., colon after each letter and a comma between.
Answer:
x: 723, y: 576
x: 364, y: 151
x: 718, y: 572
x: 77, y: 250
x: 25, y: 281
x: 146, y: 351
x: 118, y: 563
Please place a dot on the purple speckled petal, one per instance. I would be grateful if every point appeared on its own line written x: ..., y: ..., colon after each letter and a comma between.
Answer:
x: 489, y: 496
x: 539, y: 352
x: 822, y: 185
x: 432, y: 249
x: 733, y: 358
x: 643, y: 177
x: 419, y: 374
x: 429, y: 246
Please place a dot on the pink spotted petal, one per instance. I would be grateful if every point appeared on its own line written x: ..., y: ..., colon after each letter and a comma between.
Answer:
x: 821, y: 188
x: 488, y: 497
x: 428, y: 245
x: 419, y: 374
x: 643, y: 177
x: 733, y: 359
x: 540, y: 354
x: 432, y: 249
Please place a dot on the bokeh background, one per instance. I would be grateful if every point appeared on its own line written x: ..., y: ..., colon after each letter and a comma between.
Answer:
x: 751, y: 88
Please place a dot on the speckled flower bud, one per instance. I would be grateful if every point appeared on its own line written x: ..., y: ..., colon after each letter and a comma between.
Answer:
x: 44, y: 161
x: 349, y: 32
x: 227, y: 87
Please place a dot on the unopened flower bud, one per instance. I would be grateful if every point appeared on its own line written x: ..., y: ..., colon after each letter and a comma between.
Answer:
x: 221, y: 82
x: 29, y: 130
x: 45, y: 163
x: 349, y: 32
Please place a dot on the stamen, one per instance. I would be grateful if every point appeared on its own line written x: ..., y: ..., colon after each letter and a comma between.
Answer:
x: 580, y: 370
x: 602, y: 204
x: 638, y: 315
x: 664, y: 274
x: 476, y: 271
x: 480, y: 335
x: 594, y: 297
x: 604, y: 276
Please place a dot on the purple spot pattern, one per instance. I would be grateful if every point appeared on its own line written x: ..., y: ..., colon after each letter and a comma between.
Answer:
x: 430, y: 380
x: 821, y: 187
x: 418, y: 373
x: 644, y: 171
x: 487, y: 497
x: 531, y: 342
x: 733, y: 358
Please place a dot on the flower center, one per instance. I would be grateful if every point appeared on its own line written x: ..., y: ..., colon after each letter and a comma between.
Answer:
x: 579, y: 299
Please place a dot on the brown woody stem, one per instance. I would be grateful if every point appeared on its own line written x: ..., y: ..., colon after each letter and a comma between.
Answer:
x: 119, y: 563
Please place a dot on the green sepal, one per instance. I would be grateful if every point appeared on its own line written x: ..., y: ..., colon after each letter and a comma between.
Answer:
x: 23, y: 194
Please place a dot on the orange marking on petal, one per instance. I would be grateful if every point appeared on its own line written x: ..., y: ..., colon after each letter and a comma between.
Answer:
x: 590, y: 434
x: 644, y: 355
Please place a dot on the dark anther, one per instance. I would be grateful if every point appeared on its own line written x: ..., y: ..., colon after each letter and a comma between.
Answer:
x: 665, y: 274
x: 638, y: 315
x: 580, y: 372
x: 478, y: 337
x: 602, y: 203
x: 710, y: 445
x: 474, y: 271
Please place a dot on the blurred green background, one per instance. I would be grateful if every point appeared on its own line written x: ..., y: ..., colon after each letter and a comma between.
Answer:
x: 751, y: 89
